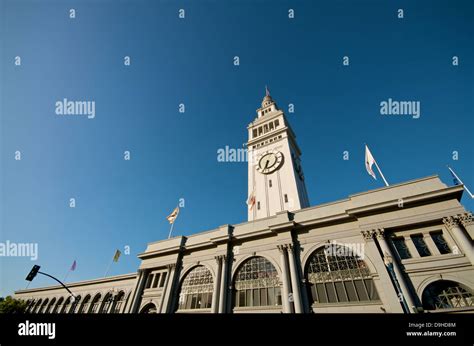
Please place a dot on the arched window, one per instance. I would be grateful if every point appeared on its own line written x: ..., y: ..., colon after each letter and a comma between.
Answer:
x: 196, y: 289
x: 66, y: 305
x: 339, y: 276
x: 118, y: 303
x: 37, y: 306
x: 445, y: 294
x: 149, y: 309
x: 43, y: 306
x: 58, y: 305
x: 85, y: 305
x: 257, y: 284
x: 75, y: 304
x: 106, y: 303
x: 95, y: 304
x: 50, y: 305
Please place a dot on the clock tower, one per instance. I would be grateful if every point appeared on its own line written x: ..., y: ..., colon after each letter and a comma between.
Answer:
x: 276, y: 179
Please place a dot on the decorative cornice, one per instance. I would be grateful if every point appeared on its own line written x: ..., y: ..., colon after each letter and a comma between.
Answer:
x: 368, y: 234
x: 451, y: 221
x: 379, y: 233
x: 466, y: 219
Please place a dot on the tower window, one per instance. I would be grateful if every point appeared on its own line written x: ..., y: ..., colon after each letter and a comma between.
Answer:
x: 271, y: 126
x: 270, y: 183
x: 286, y: 198
x: 277, y: 123
x: 440, y: 242
x: 254, y: 133
x: 258, y: 205
x: 260, y: 130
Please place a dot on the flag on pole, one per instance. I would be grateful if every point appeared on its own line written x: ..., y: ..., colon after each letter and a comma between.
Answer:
x: 117, y: 255
x: 73, y: 267
x: 172, y: 217
x: 369, y: 162
x: 251, y: 200
x: 267, y: 92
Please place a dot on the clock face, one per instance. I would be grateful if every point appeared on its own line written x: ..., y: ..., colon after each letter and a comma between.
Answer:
x: 269, y: 162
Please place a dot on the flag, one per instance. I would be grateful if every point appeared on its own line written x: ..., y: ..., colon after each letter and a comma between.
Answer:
x: 267, y: 92
x: 369, y: 162
x: 172, y: 217
x: 73, y: 267
x: 117, y: 255
x: 251, y: 200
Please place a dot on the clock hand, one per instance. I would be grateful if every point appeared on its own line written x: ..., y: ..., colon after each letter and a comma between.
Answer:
x: 266, y: 164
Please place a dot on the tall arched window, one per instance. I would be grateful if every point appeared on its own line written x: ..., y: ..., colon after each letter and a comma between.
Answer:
x: 95, y: 304
x: 196, y: 289
x: 118, y: 303
x: 85, y: 305
x: 50, y: 305
x: 38, y: 306
x: 75, y: 304
x: 66, y: 305
x: 257, y: 284
x: 339, y: 276
x: 43, y: 306
x: 445, y: 294
x: 58, y: 305
x: 106, y: 302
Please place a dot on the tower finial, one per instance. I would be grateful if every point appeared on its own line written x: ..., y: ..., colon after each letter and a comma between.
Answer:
x: 267, y: 92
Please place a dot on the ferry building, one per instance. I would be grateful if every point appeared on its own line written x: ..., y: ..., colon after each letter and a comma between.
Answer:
x: 405, y: 248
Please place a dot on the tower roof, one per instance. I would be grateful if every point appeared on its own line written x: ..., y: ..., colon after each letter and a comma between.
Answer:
x: 268, y: 98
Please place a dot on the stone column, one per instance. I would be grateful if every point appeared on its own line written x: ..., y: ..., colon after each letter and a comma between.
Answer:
x: 384, y: 246
x: 138, y: 291
x: 431, y: 244
x: 217, y: 285
x: 411, y: 247
x: 165, y: 308
x: 295, y: 280
x: 223, y: 288
x: 387, y: 293
x: 163, y: 292
x: 286, y: 283
x: 452, y: 223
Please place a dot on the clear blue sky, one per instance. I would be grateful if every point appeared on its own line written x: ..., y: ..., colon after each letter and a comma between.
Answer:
x: 190, y: 61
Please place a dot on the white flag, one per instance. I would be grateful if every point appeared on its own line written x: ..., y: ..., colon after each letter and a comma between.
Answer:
x: 369, y: 162
x: 171, y: 217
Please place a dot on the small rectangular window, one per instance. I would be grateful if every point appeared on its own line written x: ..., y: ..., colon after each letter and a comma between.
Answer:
x: 149, y: 281
x: 277, y: 123
x: 401, y: 247
x: 258, y: 205
x: 254, y: 133
x: 157, y: 280
x: 440, y: 242
x: 270, y: 183
x: 260, y: 130
x: 420, y: 245
x: 286, y: 198
x: 163, y: 278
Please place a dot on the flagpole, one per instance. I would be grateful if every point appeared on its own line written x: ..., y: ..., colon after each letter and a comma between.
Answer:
x: 171, y: 229
x: 107, y: 271
x: 381, y: 174
x: 65, y: 277
x: 464, y: 186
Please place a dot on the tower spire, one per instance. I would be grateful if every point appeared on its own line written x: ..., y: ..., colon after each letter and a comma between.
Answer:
x: 267, y: 92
